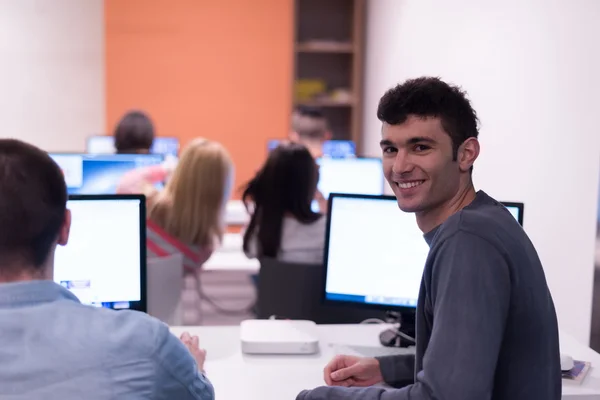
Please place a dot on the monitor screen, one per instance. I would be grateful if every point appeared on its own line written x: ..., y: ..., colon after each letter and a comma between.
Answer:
x: 103, y: 144
x: 104, y: 262
x: 331, y: 148
x: 349, y: 175
x: 100, y: 173
x: 516, y: 209
x: 374, y: 253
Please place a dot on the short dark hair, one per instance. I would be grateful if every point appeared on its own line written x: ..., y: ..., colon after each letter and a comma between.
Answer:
x: 286, y: 183
x: 430, y: 97
x: 309, y: 111
x: 33, y: 201
x: 309, y: 122
x: 134, y: 132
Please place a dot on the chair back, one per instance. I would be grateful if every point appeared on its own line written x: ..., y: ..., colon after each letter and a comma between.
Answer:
x: 164, y: 286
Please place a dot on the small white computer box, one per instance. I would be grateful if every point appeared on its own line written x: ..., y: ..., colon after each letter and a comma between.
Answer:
x: 266, y: 336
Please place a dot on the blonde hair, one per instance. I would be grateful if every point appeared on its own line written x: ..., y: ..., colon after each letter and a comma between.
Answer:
x: 192, y: 205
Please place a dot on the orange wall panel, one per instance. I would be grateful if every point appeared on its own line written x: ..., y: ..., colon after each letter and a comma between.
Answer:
x: 218, y: 69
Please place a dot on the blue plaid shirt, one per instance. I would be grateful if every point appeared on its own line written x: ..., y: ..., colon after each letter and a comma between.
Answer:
x: 53, y: 347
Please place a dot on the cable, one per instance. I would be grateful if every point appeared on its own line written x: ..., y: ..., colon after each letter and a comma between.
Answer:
x: 373, y: 321
x: 220, y: 309
x: 403, y: 335
x: 395, y: 328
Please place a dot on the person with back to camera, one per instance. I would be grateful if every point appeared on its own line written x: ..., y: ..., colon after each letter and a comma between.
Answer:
x: 134, y: 133
x: 282, y: 224
x: 310, y: 128
x: 188, y: 215
x: 486, y: 323
x: 52, y: 345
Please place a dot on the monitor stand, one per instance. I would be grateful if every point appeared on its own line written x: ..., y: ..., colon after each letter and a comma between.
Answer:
x: 397, y: 337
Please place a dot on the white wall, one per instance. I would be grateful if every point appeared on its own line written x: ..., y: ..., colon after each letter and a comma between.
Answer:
x: 532, y: 70
x: 52, y: 71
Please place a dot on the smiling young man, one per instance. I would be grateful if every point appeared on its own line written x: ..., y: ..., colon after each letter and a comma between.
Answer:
x: 486, y: 324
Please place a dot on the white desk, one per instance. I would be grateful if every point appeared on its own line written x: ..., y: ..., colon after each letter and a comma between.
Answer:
x: 230, y: 257
x: 240, y: 376
x: 231, y: 261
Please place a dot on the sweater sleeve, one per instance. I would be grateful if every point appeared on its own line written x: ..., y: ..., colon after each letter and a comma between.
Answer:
x: 470, y: 296
x: 141, y: 180
x: 398, y: 370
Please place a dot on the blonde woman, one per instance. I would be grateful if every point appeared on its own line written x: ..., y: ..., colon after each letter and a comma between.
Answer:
x: 187, y: 216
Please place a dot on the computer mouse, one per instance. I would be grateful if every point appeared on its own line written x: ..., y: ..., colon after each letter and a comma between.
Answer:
x: 566, y: 362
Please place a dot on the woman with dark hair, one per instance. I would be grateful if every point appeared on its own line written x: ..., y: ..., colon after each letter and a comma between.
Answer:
x: 282, y: 224
x: 134, y: 133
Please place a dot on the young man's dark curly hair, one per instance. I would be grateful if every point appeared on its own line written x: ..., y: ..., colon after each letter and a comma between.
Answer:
x: 430, y: 97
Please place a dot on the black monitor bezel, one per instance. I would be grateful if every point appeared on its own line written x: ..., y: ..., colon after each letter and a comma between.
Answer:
x: 404, y: 310
x: 519, y: 206
x: 142, y: 304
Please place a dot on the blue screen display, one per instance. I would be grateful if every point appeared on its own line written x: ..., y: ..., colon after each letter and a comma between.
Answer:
x: 331, y: 148
x: 101, y: 144
x: 99, y: 173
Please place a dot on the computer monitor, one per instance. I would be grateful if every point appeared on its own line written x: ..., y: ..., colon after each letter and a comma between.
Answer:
x: 331, y: 148
x: 349, y: 175
x: 366, y: 237
x: 103, y: 144
x: 104, y: 262
x: 516, y: 209
x: 100, y: 173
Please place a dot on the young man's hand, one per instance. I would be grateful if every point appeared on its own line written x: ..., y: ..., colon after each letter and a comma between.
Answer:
x: 352, y: 371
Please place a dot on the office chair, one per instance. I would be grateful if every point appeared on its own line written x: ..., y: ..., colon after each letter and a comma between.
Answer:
x: 294, y: 291
x: 163, y: 288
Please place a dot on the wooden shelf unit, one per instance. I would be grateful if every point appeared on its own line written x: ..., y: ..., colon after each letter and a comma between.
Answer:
x: 329, y: 46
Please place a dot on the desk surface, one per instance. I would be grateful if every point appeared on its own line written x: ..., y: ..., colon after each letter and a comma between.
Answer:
x: 230, y: 257
x: 236, y: 375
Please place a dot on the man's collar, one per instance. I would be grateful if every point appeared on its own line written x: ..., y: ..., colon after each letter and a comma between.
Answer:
x: 32, y: 292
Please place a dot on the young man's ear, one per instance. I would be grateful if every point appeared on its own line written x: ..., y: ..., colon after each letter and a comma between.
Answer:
x: 468, y: 153
x: 65, y: 229
x: 328, y: 135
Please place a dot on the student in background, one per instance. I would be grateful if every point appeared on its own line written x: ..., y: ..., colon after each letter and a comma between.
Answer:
x: 188, y: 215
x: 52, y: 345
x: 134, y: 134
x: 310, y: 128
x: 282, y: 224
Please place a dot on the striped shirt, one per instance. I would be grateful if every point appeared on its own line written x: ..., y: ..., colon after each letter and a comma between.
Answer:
x: 160, y: 244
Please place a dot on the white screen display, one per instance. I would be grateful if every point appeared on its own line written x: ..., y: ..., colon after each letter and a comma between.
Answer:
x: 101, y: 261
x: 514, y: 211
x: 350, y: 175
x: 376, y: 253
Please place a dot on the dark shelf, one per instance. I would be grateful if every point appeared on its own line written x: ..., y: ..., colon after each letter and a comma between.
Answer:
x: 325, y: 47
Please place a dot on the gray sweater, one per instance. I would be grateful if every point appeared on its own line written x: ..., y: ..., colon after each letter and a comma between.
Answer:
x: 486, y: 324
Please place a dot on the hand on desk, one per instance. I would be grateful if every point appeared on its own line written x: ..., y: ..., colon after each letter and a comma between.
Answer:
x: 193, y: 345
x: 352, y: 371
